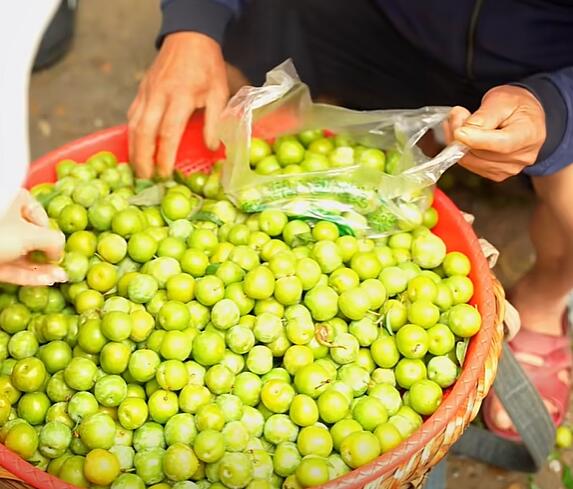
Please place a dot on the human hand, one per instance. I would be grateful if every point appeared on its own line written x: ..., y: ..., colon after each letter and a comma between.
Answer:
x: 23, y: 229
x: 504, y: 135
x: 189, y: 73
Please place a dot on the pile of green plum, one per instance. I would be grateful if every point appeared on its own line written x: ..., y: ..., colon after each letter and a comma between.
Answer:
x: 196, y: 346
x: 314, y: 150
x: 332, y: 177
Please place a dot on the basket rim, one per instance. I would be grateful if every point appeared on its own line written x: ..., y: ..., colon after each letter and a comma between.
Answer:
x: 476, y: 355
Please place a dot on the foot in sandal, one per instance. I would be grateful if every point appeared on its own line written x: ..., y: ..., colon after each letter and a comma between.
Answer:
x: 543, y: 346
x: 547, y: 361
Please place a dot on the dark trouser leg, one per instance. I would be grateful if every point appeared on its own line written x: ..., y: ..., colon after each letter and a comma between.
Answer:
x: 57, y: 39
x: 437, y: 477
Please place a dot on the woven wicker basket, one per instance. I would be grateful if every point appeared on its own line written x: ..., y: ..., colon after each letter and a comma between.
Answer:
x: 8, y: 480
x: 407, y: 465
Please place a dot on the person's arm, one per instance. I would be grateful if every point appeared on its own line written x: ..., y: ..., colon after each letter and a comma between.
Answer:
x: 208, y: 17
x: 555, y: 93
x: 521, y: 127
x: 23, y: 221
x: 189, y: 73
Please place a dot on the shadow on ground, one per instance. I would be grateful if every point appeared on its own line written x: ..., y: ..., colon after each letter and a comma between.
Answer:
x: 94, y: 85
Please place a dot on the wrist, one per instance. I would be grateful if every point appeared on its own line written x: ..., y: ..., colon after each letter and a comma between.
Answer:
x: 187, y: 39
x: 554, y: 109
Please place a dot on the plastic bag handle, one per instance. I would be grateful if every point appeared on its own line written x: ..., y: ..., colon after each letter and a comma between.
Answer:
x: 433, y: 169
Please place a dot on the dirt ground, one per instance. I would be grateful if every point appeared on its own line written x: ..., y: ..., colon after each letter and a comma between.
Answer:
x: 93, y: 86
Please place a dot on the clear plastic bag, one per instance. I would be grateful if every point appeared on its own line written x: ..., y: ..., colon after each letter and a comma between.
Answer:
x: 361, y: 200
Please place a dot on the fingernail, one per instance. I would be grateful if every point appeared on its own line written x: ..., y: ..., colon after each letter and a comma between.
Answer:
x: 60, y: 275
x: 37, y: 214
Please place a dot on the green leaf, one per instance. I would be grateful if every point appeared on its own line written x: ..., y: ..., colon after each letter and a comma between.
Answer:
x: 461, y: 350
x: 142, y: 184
x: 388, y: 326
x: 45, y: 198
x: 302, y: 239
x: 212, y: 269
x: 567, y: 477
x: 151, y: 196
x: 345, y: 230
x: 206, y: 216
x: 110, y: 292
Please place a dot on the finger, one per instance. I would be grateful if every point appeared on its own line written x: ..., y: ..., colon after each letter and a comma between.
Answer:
x: 514, y: 137
x: 172, y: 127
x: 495, y: 108
x: 38, y: 275
x: 133, y: 116
x: 133, y: 124
x: 50, y: 241
x: 33, y: 212
x: 137, y: 101
x: 146, y: 136
x: 492, y: 170
x: 215, y: 104
x: 516, y: 157
x: 15, y: 209
x: 22, y: 272
x: 456, y: 118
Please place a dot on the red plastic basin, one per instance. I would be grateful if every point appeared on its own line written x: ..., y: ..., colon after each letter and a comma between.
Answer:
x: 454, y: 230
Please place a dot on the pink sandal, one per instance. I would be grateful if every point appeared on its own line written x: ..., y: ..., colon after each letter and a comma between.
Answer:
x: 548, y: 362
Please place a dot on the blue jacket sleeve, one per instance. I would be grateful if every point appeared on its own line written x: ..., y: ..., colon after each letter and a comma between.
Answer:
x: 555, y: 92
x: 209, y: 17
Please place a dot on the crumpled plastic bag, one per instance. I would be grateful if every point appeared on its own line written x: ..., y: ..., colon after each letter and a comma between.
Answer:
x: 363, y: 201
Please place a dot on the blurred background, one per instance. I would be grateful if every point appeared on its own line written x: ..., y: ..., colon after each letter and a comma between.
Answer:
x: 94, y: 84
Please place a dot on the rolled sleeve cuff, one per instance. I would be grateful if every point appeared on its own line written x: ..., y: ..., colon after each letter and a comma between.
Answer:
x: 205, y: 16
x: 557, y: 151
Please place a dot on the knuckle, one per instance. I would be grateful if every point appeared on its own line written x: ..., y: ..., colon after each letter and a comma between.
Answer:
x: 168, y: 132
x: 142, y: 131
x: 499, y: 91
x: 174, y: 87
x: 162, y: 87
x: 145, y: 128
